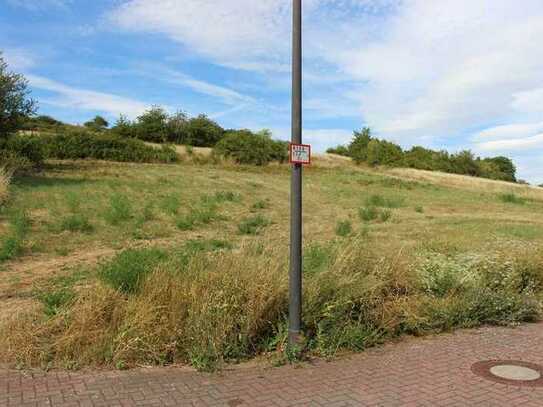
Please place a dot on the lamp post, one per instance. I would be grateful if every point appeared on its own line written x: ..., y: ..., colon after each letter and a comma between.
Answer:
x: 295, y: 272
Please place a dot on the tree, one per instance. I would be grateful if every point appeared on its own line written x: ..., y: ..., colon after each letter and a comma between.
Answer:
x: 203, y: 132
x: 15, y: 104
x: 358, y: 149
x: 381, y: 152
x: 97, y: 124
x: 151, y: 125
x: 177, y: 127
x: 124, y: 127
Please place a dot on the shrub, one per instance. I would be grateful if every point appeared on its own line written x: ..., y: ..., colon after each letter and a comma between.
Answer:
x: 245, y: 147
x: 127, y: 271
x: 344, y: 228
x: 317, y: 258
x: 23, y: 147
x: 107, y: 146
x: 202, y: 132
x: 253, y: 225
x: 419, y: 209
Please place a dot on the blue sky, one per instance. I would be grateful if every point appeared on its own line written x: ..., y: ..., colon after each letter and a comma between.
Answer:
x: 443, y: 74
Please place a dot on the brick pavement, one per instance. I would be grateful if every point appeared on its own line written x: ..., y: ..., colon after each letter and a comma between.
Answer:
x: 432, y: 371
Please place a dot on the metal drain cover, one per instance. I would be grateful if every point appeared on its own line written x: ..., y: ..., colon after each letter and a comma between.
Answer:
x: 514, y: 372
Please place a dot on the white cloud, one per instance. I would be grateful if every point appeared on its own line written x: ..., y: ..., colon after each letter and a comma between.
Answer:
x: 18, y: 59
x: 75, y: 98
x: 509, y: 145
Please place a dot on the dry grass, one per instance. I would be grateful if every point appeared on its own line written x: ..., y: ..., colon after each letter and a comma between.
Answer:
x: 5, y: 178
x: 230, y: 305
x: 467, y: 182
x: 214, y: 306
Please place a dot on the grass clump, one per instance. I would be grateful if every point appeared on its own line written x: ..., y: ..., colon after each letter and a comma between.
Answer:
x: 171, y: 204
x: 258, y: 205
x: 419, y: 209
x: 55, y: 301
x: 119, y: 211
x: 344, y: 228
x: 380, y: 201
x: 512, y: 199
x: 368, y: 213
x: 129, y: 268
x: 76, y: 223
x: 11, y: 245
x: 253, y: 225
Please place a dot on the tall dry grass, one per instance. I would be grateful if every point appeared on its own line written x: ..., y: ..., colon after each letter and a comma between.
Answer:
x: 467, y: 182
x: 5, y: 178
x: 228, y: 306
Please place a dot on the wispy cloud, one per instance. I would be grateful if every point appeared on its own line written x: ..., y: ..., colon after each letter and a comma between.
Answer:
x: 84, y: 99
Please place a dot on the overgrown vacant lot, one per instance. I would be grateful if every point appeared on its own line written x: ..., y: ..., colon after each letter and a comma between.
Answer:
x: 125, y: 264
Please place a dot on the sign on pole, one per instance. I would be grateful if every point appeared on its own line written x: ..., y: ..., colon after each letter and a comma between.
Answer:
x: 299, y: 154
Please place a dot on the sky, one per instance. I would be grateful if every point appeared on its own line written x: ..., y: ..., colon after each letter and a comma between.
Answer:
x: 462, y: 74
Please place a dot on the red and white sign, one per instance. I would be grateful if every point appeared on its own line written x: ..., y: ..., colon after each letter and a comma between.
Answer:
x: 299, y: 153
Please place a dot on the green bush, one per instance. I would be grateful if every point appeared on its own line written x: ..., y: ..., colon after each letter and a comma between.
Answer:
x: 128, y: 269
x: 107, y: 146
x: 384, y: 202
x: 54, y: 301
x: 245, y: 147
x: 23, y: 147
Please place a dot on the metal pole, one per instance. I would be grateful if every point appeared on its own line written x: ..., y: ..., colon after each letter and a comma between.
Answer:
x: 295, y: 276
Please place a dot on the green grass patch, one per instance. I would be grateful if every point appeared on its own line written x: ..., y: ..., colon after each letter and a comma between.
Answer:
x: 11, y: 245
x: 385, y: 202
x: 129, y: 268
x: 76, y: 222
x: 119, y: 211
x: 344, y: 228
x: 368, y: 213
x: 512, y: 199
x: 253, y: 225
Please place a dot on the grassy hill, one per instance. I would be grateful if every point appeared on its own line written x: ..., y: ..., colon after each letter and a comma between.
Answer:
x: 121, y: 264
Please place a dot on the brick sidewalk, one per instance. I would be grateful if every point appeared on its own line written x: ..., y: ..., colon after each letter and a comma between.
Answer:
x: 416, y: 372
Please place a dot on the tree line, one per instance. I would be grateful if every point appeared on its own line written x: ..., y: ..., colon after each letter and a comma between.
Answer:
x: 364, y: 148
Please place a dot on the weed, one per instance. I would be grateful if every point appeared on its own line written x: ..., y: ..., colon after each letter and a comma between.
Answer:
x: 253, y: 225
x: 385, y: 215
x: 186, y: 222
x: 54, y: 301
x: 384, y: 202
x: 368, y: 213
x: 344, y: 228
x: 512, y: 198
x: 260, y: 205
x: 76, y: 223
x: 207, y: 245
x: 419, y: 209
x: 317, y: 258
x: 11, y: 245
x: 171, y: 204
x: 128, y: 269
x: 120, y: 209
